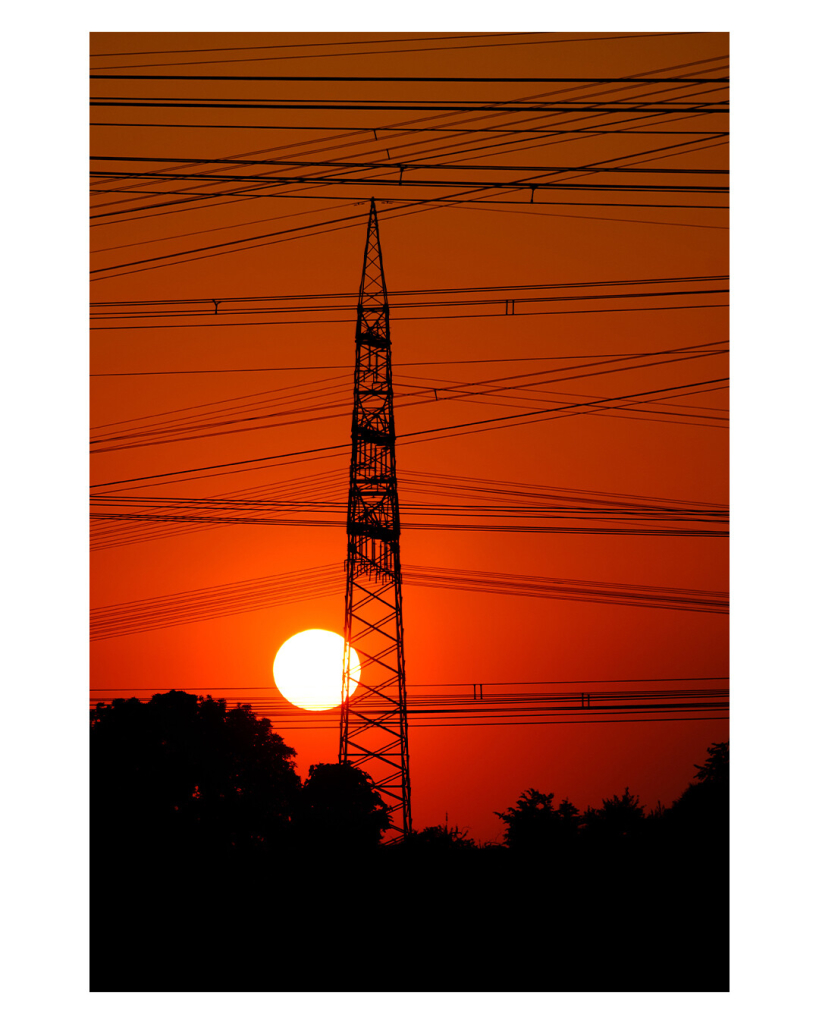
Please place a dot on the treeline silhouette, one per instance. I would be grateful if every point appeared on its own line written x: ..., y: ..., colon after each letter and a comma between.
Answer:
x: 214, y: 868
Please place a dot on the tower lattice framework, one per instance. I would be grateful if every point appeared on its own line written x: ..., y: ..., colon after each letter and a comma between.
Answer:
x: 374, y: 719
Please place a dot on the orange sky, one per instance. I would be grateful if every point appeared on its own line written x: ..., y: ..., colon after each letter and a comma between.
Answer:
x: 466, y: 772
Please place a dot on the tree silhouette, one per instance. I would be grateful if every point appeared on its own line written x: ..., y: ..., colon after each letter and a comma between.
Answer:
x: 535, y: 824
x: 182, y: 772
x: 620, y: 817
x: 340, y: 809
x: 702, y: 810
x: 201, y: 831
x: 715, y: 770
x: 442, y: 839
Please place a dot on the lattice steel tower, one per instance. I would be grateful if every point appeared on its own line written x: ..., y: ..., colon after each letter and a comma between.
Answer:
x: 374, y: 718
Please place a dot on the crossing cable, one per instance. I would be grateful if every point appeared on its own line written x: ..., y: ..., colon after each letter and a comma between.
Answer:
x: 614, y: 107
x: 209, y: 324
x: 333, y: 483
x: 434, y: 118
x: 519, y: 186
x: 398, y: 131
x: 190, y: 196
x: 424, y: 49
x: 283, y: 369
x: 430, y: 303
x: 401, y: 166
x: 333, y: 228
x: 494, y: 683
x: 308, y: 297
x: 307, y: 719
x: 414, y: 205
x: 370, y: 78
x: 408, y: 127
x: 304, y: 46
x: 164, y: 435
x: 185, y: 426
x: 357, y: 130
x: 313, y: 485
x: 257, y: 594
x: 410, y: 123
x: 514, y: 310
x: 490, y: 703
x: 516, y: 527
x: 615, y: 513
x: 600, y: 162
x: 412, y: 437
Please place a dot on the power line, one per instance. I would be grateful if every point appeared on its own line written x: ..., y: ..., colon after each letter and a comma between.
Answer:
x: 357, y: 216
x: 190, y: 196
x: 454, y: 390
x: 368, y: 78
x: 315, y: 180
x: 410, y: 438
x: 309, y: 296
x: 563, y: 721
x: 332, y: 482
x: 518, y: 417
x: 521, y: 185
x: 447, y: 316
x: 529, y: 205
x: 647, y: 107
x: 469, y: 510
x: 345, y: 366
x: 641, y: 531
x: 406, y: 124
x: 407, y: 165
x: 421, y: 49
x: 369, y: 131
x: 494, y: 682
x: 511, y: 308
x: 245, y: 596
x: 187, y: 200
x: 307, y: 46
x: 428, y: 119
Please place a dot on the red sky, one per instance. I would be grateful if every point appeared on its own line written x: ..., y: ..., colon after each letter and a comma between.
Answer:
x: 453, y: 639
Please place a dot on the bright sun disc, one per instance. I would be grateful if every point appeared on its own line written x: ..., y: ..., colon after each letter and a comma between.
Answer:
x: 308, y: 669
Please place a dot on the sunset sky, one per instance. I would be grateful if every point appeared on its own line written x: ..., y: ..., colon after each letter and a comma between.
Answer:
x: 620, y: 293
x: 773, y: 608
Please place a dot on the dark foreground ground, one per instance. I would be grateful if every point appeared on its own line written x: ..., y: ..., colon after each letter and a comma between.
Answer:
x: 648, y: 919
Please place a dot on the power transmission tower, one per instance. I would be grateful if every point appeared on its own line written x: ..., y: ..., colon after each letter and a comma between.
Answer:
x: 374, y: 717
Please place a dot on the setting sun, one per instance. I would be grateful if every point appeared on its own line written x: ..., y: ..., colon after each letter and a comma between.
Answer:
x: 308, y: 669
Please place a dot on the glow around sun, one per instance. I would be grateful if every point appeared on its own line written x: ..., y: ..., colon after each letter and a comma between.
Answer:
x: 308, y: 669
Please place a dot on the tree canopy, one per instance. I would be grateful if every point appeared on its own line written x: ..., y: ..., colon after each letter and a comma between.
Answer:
x: 703, y: 806
x: 700, y: 816
x: 185, y: 772
x: 618, y: 818
x: 340, y: 808
x: 201, y: 829
x: 535, y: 823
x: 181, y: 769
x: 442, y: 839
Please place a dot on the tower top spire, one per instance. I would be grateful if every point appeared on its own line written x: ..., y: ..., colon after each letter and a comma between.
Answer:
x: 373, y: 291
